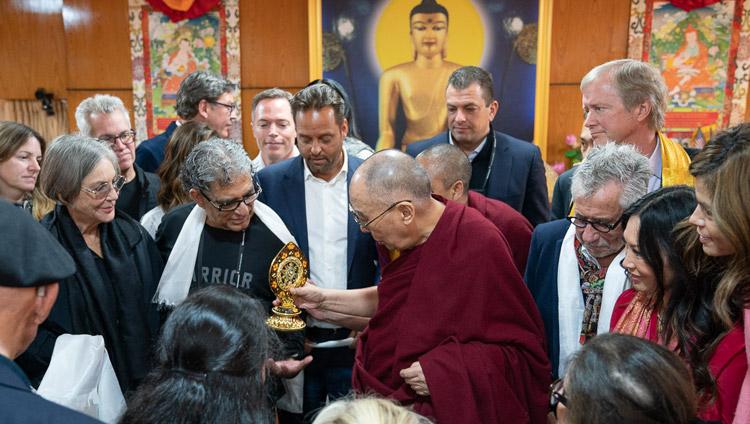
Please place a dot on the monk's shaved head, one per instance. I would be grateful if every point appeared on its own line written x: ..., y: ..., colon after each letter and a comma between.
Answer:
x: 392, y: 175
x: 447, y: 164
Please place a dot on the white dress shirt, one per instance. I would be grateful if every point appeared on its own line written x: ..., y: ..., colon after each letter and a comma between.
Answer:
x: 259, y: 164
x: 476, y: 151
x: 654, y: 183
x: 326, y: 207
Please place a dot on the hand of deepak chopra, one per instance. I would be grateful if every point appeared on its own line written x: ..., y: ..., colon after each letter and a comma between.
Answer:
x: 288, y: 368
x: 414, y: 377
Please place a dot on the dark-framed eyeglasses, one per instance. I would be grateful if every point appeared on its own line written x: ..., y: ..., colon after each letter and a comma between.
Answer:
x: 101, y: 192
x: 556, y: 396
x: 126, y: 137
x: 230, y: 107
x: 598, y: 226
x: 361, y: 222
x: 234, y: 204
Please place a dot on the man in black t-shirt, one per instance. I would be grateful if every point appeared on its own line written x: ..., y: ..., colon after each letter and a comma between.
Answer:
x: 106, y: 119
x: 225, y: 237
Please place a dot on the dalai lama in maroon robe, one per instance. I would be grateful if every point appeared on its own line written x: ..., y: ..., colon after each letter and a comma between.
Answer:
x: 454, y: 331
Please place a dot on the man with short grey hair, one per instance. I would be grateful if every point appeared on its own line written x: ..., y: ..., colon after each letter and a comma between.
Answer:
x: 226, y: 237
x: 626, y: 101
x: 203, y: 97
x: 503, y: 167
x: 106, y: 119
x: 273, y: 127
x: 574, y: 271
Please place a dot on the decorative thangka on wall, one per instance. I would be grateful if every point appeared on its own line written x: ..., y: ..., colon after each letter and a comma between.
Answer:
x: 163, y: 53
x: 704, y: 57
x: 394, y: 58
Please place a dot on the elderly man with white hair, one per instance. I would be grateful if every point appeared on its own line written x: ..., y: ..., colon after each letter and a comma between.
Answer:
x: 574, y: 271
x: 226, y: 237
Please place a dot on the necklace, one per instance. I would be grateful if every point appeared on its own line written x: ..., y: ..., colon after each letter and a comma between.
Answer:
x: 239, y: 262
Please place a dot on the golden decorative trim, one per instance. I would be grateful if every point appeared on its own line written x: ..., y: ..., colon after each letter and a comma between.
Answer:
x: 543, y: 65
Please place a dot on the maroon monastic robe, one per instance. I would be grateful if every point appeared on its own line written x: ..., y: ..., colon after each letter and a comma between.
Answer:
x: 514, y: 226
x: 457, y: 305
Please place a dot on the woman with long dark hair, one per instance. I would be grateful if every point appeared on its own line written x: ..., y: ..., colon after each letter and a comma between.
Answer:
x: 704, y: 314
x: 651, y: 255
x: 211, y: 363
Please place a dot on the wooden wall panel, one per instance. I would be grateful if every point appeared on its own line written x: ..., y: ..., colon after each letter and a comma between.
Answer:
x: 586, y: 33
x: 565, y: 117
x: 75, y: 97
x: 248, y: 140
x: 98, y: 44
x: 273, y: 43
x: 32, y: 49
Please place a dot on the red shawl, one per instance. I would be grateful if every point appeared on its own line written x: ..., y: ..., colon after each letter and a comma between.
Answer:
x: 457, y: 305
x: 514, y: 226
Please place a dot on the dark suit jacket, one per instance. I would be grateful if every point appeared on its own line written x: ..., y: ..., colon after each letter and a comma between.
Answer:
x: 561, y: 196
x: 517, y: 174
x: 284, y: 191
x: 150, y: 153
x: 148, y: 186
x: 541, y: 279
x: 19, y: 405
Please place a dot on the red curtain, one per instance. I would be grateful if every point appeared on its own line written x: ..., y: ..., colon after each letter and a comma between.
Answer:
x: 198, y: 8
x: 688, y: 5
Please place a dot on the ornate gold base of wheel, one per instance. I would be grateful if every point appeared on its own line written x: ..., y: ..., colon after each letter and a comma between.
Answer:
x: 285, y: 320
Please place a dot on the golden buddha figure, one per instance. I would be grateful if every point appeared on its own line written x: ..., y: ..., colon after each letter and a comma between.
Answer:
x: 420, y: 84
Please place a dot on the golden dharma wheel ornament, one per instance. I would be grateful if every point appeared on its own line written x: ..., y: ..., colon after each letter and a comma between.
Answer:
x: 288, y: 269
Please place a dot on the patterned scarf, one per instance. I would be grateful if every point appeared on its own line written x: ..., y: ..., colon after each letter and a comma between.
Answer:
x: 592, y: 286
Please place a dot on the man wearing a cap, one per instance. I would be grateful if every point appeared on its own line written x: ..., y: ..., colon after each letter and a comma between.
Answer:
x: 31, y: 263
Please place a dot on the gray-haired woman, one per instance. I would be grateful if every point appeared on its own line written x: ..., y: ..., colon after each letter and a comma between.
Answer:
x: 118, y: 265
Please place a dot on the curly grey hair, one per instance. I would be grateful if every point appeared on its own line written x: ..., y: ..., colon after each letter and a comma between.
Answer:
x: 70, y: 158
x: 613, y: 163
x: 100, y: 103
x: 214, y: 161
x: 635, y: 82
x: 200, y: 85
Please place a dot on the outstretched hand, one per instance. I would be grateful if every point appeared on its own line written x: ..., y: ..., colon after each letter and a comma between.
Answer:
x: 288, y: 368
x: 414, y: 377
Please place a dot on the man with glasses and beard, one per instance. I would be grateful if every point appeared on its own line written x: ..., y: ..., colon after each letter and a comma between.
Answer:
x: 105, y: 118
x: 309, y: 192
x: 574, y: 271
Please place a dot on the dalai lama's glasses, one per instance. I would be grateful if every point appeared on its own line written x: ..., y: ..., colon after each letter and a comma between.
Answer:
x: 358, y: 218
x: 234, y: 204
x: 556, y: 396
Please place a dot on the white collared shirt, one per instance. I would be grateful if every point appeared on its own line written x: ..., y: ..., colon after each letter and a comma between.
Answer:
x: 326, y: 206
x: 476, y: 151
x: 654, y: 183
x: 259, y: 163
